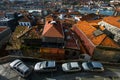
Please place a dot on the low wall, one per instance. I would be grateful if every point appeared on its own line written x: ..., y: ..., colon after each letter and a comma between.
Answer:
x: 10, y: 58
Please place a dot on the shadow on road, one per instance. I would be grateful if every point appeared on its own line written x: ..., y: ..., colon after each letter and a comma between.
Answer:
x: 60, y: 75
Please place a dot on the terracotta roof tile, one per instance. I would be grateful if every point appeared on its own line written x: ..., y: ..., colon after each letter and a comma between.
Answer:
x: 53, y: 30
x: 113, y: 21
x: 89, y: 30
x: 109, y: 42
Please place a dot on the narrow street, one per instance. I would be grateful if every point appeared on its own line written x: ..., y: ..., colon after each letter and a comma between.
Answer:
x: 110, y: 73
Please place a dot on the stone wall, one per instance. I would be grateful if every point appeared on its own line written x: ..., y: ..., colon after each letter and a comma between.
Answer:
x: 106, y: 54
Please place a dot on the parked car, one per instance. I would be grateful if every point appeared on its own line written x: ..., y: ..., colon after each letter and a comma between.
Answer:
x: 92, y: 66
x: 45, y: 66
x: 71, y: 67
x: 20, y: 68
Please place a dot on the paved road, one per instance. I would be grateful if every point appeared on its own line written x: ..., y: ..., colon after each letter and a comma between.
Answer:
x: 8, y: 74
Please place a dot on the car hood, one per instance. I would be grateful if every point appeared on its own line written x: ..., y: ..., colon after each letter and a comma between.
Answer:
x: 37, y: 66
x: 64, y: 67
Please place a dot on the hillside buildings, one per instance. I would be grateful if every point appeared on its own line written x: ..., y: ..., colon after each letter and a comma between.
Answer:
x: 100, y: 37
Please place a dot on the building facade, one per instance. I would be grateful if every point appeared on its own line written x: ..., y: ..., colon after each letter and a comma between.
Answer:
x: 5, y: 34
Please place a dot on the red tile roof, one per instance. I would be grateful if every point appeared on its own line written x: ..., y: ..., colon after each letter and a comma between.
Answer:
x: 102, y: 39
x: 109, y: 42
x: 53, y: 30
x: 115, y: 21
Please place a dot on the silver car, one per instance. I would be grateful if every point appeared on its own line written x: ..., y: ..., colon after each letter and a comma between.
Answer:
x: 92, y: 66
x: 71, y: 67
x: 45, y: 66
x: 20, y: 68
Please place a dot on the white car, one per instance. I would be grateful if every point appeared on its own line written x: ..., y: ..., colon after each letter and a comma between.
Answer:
x: 20, y: 68
x: 92, y: 66
x: 45, y: 66
x: 71, y: 67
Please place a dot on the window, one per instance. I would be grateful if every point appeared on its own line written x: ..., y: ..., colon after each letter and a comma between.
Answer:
x: 74, y: 53
x: 69, y: 37
x: 66, y: 52
x: 26, y: 72
x: 66, y: 30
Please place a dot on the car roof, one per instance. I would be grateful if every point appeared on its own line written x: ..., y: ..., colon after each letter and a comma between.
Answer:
x: 74, y: 64
x: 23, y: 67
x: 96, y: 64
x: 51, y: 64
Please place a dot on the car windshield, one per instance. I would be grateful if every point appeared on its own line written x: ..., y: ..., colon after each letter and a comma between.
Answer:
x: 70, y: 66
x: 89, y: 64
x: 26, y: 72
x: 49, y: 64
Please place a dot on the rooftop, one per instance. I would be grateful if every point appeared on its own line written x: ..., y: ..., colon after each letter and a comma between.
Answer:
x: 113, y: 20
x: 24, y: 19
x: 53, y: 29
x: 96, y: 36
